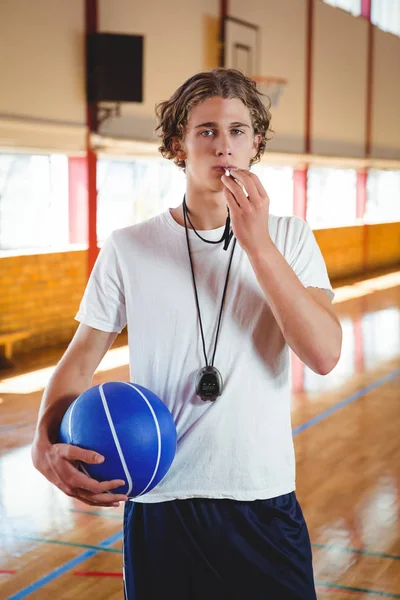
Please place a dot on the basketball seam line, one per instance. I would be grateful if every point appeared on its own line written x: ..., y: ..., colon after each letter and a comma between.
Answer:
x: 116, y: 440
x: 158, y: 435
x: 70, y: 420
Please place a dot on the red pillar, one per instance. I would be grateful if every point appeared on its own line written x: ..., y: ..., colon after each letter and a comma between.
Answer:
x: 361, y: 193
x: 299, y: 210
x: 300, y: 192
x: 91, y: 19
x: 359, y: 360
x: 297, y: 374
x: 366, y: 9
x: 363, y: 174
x: 308, y: 75
x: 223, y: 12
x: 78, y: 195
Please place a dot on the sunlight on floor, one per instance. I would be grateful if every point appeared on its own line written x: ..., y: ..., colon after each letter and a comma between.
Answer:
x: 118, y: 357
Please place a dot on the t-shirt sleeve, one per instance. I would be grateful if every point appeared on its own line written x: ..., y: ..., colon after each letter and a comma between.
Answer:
x: 103, y: 302
x: 307, y: 261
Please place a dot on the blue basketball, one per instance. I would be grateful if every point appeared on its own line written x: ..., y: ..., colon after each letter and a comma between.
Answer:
x: 130, y: 426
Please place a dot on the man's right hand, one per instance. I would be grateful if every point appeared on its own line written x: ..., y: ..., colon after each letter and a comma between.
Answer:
x: 59, y: 463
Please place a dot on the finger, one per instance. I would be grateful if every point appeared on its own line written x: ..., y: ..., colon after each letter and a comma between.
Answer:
x: 69, y: 475
x: 70, y: 452
x: 101, y: 498
x: 234, y: 188
x: 247, y: 181
x: 105, y: 505
x: 85, y: 482
x: 233, y: 204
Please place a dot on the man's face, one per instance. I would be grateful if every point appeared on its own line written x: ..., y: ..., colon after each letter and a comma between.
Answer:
x: 219, y: 134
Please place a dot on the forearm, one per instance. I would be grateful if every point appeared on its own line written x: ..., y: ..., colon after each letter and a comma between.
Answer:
x: 310, y: 330
x: 65, y: 385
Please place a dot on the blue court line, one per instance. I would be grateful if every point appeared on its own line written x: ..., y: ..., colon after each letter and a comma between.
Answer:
x: 63, y: 569
x: 346, y: 401
x: 5, y: 428
x: 96, y: 513
x: 31, y: 538
x: 71, y: 564
x: 337, y: 586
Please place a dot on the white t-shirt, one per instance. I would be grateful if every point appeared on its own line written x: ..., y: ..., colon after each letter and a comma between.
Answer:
x: 239, y: 446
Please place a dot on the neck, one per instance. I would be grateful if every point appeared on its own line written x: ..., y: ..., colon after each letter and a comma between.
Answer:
x: 206, y: 210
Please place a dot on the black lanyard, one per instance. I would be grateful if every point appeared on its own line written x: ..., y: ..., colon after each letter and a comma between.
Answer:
x: 227, y: 237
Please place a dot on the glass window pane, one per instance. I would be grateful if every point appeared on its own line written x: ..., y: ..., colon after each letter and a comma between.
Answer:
x: 383, y: 196
x: 278, y: 183
x: 351, y: 6
x: 133, y: 190
x: 385, y: 14
x: 331, y: 197
x: 33, y: 201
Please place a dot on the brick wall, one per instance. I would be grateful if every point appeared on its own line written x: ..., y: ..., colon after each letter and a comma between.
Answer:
x: 41, y: 292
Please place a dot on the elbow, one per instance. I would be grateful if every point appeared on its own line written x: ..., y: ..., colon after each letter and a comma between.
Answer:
x: 325, y: 366
x: 331, y: 358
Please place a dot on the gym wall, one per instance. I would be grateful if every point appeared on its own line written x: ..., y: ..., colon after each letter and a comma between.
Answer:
x: 42, y: 104
x: 42, y: 100
x: 42, y: 108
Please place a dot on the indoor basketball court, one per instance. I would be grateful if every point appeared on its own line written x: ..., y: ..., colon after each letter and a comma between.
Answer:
x: 79, y: 159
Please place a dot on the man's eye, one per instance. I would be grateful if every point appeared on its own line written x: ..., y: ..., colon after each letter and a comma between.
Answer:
x: 205, y: 133
x: 237, y: 131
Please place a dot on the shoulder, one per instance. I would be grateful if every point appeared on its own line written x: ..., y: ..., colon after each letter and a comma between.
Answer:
x: 290, y: 225
x: 288, y: 232
x: 125, y: 236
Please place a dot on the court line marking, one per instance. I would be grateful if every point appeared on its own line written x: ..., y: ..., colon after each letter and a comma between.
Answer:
x: 32, y: 538
x: 69, y: 565
x: 346, y: 402
x: 96, y: 513
x: 97, y: 574
x: 346, y: 588
x: 8, y: 571
x: 63, y: 569
x: 356, y: 551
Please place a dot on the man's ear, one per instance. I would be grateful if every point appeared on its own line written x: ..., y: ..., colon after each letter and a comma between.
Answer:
x: 177, y: 146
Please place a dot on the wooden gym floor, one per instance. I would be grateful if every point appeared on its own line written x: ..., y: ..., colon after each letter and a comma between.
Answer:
x: 346, y: 430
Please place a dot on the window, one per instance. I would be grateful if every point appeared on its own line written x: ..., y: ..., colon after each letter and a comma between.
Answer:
x: 383, y: 196
x: 331, y: 197
x: 351, y: 6
x: 278, y: 182
x: 385, y: 14
x: 381, y: 336
x: 33, y: 201
x: 130, y: 191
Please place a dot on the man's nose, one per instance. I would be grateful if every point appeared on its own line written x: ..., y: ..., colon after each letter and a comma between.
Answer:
x: 223, y: 146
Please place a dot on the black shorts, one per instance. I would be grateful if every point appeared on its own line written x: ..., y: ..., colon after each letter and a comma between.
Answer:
x: 205, y: 549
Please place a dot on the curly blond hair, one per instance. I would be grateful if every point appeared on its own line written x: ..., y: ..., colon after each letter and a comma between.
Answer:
x: 173, y: 114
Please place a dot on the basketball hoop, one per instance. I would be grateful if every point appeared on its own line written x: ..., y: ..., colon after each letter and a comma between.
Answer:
x: 273, y: 87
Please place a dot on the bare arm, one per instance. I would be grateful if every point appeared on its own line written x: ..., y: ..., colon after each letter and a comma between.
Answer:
x: 305, y: 315
x: 72, y: 376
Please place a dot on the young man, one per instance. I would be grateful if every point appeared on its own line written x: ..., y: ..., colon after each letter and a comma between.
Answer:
x: 209, y: 333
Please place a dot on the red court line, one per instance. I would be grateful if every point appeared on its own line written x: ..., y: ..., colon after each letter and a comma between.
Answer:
x: 7, y: 571
x: 97, y: 574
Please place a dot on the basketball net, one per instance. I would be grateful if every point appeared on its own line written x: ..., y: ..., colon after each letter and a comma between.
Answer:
x: 273, y: 87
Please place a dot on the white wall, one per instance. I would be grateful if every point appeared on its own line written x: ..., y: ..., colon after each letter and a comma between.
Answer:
x: 283, y: 54
x: 42, y: 99
x: 339, y: 82
x: 174, y: 49
x: 386, y: 96
x: 42, y: 72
